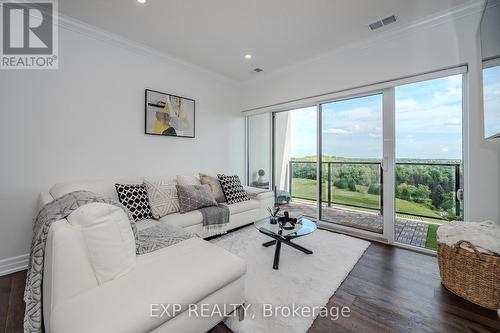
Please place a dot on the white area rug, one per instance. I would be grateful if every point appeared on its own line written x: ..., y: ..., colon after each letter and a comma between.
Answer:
x: 304, y: 280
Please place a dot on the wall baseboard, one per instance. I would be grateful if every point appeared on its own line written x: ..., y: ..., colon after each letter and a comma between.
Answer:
x: 14, y: 264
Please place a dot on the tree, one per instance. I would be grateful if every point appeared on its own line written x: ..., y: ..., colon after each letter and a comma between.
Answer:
x: 448, y: 202
x: 374, y: 189
x: 341, y: 183
x: 421, y: 193
x: 403, y: 191
x: 351, y: 185
x: 437, y: 196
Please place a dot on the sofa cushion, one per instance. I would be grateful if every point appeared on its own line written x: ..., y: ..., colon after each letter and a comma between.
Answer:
x: 233, y: 190
x: 214, y: 186
x: 192, y: 197
x: 108, y: 238
x: 188, y: 179
x: 243, y: 206
x: 162, y: 196
x: 124, y: 304
x: 183, y: 220
x: 135, y: 198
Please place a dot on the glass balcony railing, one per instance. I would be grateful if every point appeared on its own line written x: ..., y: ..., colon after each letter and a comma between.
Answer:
x: 423, y: 190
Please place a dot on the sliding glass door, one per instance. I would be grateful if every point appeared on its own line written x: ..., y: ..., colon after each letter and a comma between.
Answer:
x: 295, y: 160
x: 351, y: 157
x: 386, y: 163
x: 429, y: 164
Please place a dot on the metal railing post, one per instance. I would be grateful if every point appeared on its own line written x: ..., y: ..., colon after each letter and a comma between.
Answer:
x: 457, y: 187
x: 290, y: 177
x: 381, y: 190
x: 329, y: 184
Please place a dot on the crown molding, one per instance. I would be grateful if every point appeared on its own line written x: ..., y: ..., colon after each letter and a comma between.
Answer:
x: 71, y: 24
x: 447, y: 16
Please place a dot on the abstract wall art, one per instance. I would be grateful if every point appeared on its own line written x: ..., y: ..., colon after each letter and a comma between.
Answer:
x: 169, y: 115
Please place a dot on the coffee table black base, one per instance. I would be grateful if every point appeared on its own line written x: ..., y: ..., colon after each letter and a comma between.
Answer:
x: 277, y: 241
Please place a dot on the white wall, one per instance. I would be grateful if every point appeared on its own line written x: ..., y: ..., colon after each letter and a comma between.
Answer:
x: 431, y: 45
x: 86, y: 121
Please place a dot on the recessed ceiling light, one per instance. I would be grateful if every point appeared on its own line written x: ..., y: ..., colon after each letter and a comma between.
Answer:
x: 141, y: 1
x: 248, y: 56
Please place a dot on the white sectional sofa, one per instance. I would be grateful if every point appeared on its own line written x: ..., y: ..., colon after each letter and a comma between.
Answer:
x: 193, y: 271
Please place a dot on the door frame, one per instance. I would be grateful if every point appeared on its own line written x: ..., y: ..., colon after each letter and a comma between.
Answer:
x: 388, y: 154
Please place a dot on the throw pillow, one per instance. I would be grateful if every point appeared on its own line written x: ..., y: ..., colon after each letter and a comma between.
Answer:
x: 135, y: 198
x: 188, y: 180
x: 192, y: 197
x: 233, y: 190
x: 108, y: 237
x: 214, y: 186
x: 162, y: 196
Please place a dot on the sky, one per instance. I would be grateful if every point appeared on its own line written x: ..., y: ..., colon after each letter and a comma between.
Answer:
x: 428, y: 124
x: 491, y: 90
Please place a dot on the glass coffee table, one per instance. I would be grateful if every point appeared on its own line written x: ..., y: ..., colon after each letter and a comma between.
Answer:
x: 280, y: 235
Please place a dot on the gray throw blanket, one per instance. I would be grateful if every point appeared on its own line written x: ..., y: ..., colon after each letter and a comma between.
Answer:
x: 147, y: 240
x: 160, y: 236
x: 215, y: 220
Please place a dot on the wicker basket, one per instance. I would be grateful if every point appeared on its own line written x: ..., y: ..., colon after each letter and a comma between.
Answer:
x: 474, y: 276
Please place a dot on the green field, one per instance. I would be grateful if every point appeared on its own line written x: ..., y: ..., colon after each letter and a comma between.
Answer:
x: 306, y: 189
x: 432, y: 237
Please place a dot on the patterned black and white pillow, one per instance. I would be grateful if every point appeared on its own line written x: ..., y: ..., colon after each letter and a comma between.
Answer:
x: 232, y: 188
x: 135, y: 198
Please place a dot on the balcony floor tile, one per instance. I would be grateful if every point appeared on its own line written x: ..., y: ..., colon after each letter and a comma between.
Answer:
x: 406, y: 231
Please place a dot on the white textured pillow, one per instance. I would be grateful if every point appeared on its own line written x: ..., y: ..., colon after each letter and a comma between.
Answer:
x: 109, y: 239
x: 186, y: 180
x: 162, y: 196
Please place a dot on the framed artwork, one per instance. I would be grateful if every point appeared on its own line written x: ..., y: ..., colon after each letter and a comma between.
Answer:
x: 169, y: 115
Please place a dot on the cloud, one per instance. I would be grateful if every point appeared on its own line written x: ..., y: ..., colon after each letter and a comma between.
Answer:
x: 453, y: 121
x: 336, y: 131
x: 428, y: 122
x: 404, y: 104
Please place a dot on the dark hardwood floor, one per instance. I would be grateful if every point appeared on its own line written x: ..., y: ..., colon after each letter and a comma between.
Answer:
x: 11, y: 302
x: 389, y: 290
x: 395, y: 290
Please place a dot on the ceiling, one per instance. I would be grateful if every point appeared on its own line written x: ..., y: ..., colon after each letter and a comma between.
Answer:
x: 216, y: 34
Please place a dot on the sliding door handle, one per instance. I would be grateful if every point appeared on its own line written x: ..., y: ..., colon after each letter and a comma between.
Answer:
x: 384, y: 163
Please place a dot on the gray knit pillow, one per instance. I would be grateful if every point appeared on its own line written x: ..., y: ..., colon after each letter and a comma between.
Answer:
x: 192, y: 197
